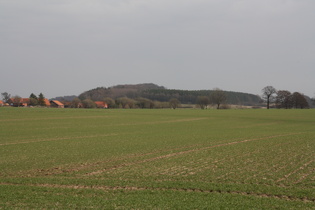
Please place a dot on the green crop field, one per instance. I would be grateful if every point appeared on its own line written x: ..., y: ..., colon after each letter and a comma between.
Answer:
x: 157, y: 159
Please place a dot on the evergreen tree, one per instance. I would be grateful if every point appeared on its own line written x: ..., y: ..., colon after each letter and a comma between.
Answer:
x: 33, y: 100
x: 41, y: 100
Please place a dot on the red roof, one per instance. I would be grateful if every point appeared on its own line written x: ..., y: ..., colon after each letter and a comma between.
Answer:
x: 22, y: 100
x: 25, y: 100
x: 47, y: 102
x: 1, y: 102
x: 101, y: 104
x: 57, y: 102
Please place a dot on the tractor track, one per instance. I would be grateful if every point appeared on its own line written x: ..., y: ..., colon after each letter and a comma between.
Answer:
x: 183, y: 152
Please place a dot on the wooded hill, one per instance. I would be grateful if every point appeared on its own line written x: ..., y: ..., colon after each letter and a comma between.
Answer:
x: 160, y: 93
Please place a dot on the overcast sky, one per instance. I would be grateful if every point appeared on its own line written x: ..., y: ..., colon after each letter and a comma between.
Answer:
x: 65, y: 47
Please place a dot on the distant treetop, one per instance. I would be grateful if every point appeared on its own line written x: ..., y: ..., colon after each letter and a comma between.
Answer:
x: 159, y: 93
x: 144, y: 86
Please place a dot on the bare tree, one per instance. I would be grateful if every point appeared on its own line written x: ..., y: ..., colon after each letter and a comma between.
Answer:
x: 299, y: 101
x: 174, y: 103
x: 6, y: 97
x: 125, y: 102
x: 88, y: 103
x: 284, y: 99
x: 218, y: 97
x: 110, y: 102
x: 144, y: 103
x: 203, y: 101
x: 161, y: 105
x: 313, y: 100
x: 268, y: 93
x: 17, y: 101
x: 75, y: 103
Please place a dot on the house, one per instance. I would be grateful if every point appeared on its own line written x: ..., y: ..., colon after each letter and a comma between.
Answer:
x: 67, y: 104
x: 19, y: 101
x: 56, y: 104
x: 2, y: 103
x: 101, y: 104
x: 47, y: 102
x: 24, y: 102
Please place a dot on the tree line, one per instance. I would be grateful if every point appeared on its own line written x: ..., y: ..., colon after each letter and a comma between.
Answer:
x: 122, y: 102
x: 216, y: 98
x: 284, y: 99
x: 170, y: 98
x: 159, y: 93
x: 33, y: 99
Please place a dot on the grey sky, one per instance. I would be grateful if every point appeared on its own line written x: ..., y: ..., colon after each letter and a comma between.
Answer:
x: 64, y: 47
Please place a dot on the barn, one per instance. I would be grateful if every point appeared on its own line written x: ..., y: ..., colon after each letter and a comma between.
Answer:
x: 56, y: 104
x: 101, y: 104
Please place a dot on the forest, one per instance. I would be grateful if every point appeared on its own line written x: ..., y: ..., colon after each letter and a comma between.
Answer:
x: 159, y: 93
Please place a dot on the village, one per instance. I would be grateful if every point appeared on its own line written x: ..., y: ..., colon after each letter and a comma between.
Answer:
x: 27, y: 102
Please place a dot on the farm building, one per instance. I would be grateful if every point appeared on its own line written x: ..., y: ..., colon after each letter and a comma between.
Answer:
x: 47, y: 102
x: 2, y: 103
x: 56, y: 104
x: 68, y: 104
x: 19, y: 102
x: 24, y: 102
x: 101, y: 104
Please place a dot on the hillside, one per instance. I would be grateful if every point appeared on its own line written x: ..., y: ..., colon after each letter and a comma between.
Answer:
x: 130, y: 91
x: 190, y: 96
x: 64, y: 98
x: 160, y: 93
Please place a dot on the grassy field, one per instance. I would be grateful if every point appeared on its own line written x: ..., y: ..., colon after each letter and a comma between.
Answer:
x: 157, y: 159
